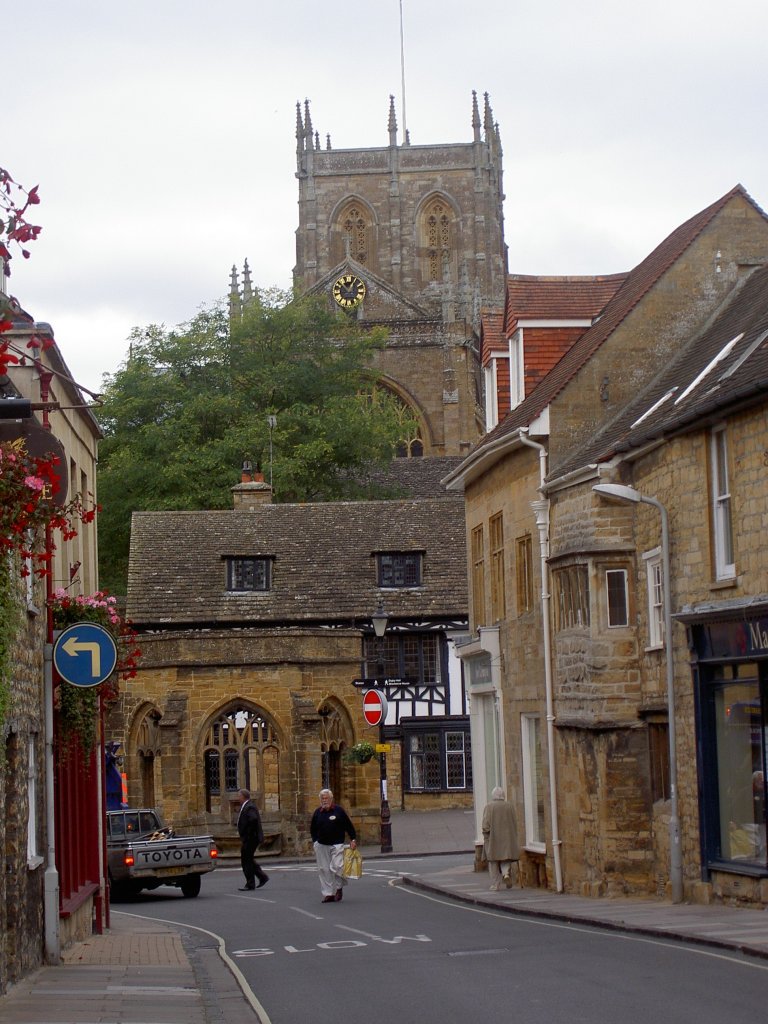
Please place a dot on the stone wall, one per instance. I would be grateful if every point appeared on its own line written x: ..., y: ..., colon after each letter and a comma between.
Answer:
x: 21, y: 880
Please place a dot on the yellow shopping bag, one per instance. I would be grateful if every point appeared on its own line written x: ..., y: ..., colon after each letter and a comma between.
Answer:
x: 353, y: 863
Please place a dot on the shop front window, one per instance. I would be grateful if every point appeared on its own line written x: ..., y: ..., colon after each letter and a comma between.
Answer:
x: 735, y: 720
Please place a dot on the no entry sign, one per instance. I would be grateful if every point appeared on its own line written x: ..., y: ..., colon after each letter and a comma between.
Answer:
x: 374, y: 707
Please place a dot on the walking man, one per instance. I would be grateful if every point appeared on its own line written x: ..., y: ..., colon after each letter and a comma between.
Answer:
x: 330, y: 823
x: 251, y: 834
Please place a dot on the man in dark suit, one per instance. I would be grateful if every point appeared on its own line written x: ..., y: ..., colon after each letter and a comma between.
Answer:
x: 251, y: 834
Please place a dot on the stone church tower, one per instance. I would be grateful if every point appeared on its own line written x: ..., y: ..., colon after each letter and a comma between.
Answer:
x: 410, y: 238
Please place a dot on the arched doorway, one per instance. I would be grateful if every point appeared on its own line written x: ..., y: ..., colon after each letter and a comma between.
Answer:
x: 241, y: 750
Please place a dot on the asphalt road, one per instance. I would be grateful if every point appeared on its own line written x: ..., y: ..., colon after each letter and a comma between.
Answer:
x: 391, y: 954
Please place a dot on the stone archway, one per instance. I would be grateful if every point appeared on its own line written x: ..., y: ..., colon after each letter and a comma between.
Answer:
x: 240, y: 750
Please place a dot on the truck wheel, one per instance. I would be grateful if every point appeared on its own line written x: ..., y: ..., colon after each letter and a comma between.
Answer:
x: 190, y: 886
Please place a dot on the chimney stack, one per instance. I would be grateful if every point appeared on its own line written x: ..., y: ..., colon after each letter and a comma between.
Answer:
x: 252, y: 490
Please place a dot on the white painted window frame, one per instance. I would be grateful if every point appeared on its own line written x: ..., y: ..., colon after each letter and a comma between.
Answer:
x: 625, y: 623
x: 530, y: 725
x: 654, y: 577
x: 725, y: 568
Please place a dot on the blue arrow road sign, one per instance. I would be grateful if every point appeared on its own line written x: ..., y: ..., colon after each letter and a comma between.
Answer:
x: 85, y: 654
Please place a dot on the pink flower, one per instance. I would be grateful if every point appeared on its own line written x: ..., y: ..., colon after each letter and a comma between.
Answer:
x: 34, y: 483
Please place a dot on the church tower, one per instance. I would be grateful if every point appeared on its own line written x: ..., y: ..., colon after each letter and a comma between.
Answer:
x: 410, y: 238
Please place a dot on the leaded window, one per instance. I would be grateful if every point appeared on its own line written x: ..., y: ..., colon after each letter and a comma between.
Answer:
x: 411, y: 656
x: 572, y: 597
x: 400, y: 569
x: 456, y: 760
x: 438, y: 757
x: 248, y: 574
x: 424, y: 756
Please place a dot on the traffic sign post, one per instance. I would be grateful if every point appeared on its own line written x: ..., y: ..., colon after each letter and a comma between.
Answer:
x: 375, y: 713
x: 374, y: 707
x: 85, y: 654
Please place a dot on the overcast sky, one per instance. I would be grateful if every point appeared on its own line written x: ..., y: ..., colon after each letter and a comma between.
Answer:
x: 162, y: 133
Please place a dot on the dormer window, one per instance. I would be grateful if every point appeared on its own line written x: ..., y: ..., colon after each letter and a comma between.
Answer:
x: 399, y: 569
x: 245, y: 575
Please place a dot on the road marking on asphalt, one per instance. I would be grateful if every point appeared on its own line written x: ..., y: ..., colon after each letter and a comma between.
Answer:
x: 300, y: 910
x: 681, y: 945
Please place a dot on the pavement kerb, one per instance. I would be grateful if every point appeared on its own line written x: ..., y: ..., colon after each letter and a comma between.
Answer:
x: 570, y: 917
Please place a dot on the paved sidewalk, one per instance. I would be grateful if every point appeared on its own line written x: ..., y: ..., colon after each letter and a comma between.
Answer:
x: 140, y: 971
x: 145, y: 972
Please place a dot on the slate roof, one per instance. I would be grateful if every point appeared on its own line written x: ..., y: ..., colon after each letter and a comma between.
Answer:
x: 637, y: 284
x: 723, y: 367
x: 324, y: 569
x: 531, y: 297
x: 415, y: 478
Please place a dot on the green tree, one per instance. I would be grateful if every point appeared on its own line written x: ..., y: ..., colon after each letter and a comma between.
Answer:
x: 189, y: 406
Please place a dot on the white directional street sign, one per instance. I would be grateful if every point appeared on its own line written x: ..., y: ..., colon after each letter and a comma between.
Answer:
x: 85, y: 654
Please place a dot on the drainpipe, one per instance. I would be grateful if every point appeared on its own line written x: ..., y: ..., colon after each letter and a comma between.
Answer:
x: 541, y: 511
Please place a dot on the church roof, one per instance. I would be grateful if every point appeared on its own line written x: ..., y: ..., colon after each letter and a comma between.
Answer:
x: 323, y: 559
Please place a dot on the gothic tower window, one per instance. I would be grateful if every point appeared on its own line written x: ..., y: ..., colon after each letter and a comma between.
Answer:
x: 437, y: 237
x: 241, y: 751
x: 352, y: 234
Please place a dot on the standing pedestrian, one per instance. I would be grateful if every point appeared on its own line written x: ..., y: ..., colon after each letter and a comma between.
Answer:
x: 500, y: 838
x: 330, y: 823
x: 251, y: 834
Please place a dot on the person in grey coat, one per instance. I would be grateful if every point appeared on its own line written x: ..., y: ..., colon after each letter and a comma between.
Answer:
x: 500, y: 838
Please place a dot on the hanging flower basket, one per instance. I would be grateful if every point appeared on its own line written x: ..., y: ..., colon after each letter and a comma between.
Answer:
x: 360, y: 753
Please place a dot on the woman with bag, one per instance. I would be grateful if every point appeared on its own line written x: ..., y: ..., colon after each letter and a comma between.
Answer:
x: 330, y: 823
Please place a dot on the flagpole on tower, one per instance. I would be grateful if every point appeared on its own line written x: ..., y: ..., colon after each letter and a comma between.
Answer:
x: 402, y: 72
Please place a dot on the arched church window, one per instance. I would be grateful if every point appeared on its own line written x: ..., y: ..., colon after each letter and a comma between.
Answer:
x: 355, y: 231
x: 353, y: 234
x: 410, y: 443
x: 241, y: 750
x: 437, y: 230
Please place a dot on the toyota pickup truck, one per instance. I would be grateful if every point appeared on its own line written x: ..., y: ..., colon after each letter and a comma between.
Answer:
x: 142, y: 853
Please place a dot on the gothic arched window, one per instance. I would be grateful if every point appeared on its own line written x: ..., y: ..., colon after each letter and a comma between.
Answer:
x: 241, y: 751
x: 436, y: 237
x: 353, y: 233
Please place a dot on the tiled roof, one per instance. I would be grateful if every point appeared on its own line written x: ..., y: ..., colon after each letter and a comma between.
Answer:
x: 415, y: 478
x: 323, y: 569
x: 492, y: 333
x: 724, y: 366
x: 638, y: 282
x: 558, y: 298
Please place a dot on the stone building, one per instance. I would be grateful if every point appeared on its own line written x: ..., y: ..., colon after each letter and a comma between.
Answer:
x: 694, y: 442
x: 569, y: 709
x: 410, y: 238
x: 49, y: 893
x: 255, y: 624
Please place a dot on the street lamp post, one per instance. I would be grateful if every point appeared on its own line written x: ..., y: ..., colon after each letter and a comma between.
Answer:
x: 379, y: 621
x: 620, y: 492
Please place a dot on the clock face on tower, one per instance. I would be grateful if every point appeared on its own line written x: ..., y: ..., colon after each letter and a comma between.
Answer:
x: 349, y: 291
